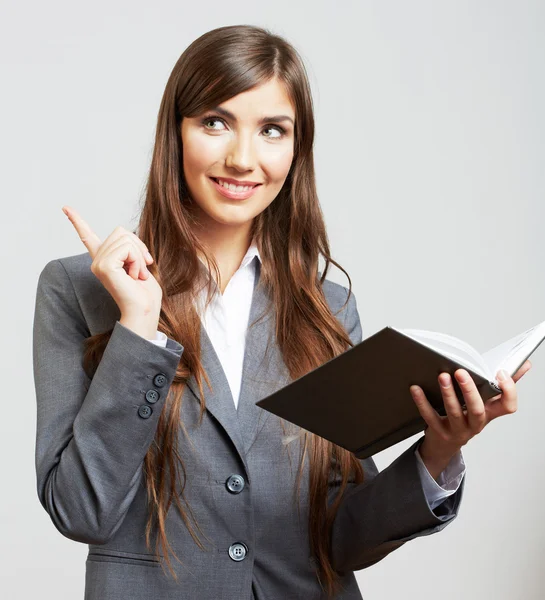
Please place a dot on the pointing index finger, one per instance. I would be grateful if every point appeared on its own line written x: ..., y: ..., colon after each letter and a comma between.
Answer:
x: 89, y: 238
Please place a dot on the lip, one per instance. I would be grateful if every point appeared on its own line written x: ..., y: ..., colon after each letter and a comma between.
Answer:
x: 238, y: 181
x: 232, y: 194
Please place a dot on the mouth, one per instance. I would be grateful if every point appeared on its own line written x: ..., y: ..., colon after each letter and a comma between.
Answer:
x: 245, y: 185
x: 233, y: 194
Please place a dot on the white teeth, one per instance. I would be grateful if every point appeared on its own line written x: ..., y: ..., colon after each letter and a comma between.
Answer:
x: 235, y: 188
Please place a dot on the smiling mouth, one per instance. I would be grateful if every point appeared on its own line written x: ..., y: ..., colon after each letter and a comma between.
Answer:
x: 218, y: 182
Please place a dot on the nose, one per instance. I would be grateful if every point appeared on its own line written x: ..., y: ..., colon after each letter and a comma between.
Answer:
x: 241, y: 153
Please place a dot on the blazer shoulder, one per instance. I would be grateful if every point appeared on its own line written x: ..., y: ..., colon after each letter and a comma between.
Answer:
x: 72, y: 273
x: 344, y: 307
x: 336, y: 295
x: 77, y: 265
x: 73, y: 277
x: 74, y: 267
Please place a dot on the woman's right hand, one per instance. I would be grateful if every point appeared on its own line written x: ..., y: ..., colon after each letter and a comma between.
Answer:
x: 120, y: 263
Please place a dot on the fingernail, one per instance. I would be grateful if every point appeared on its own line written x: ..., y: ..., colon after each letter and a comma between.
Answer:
x: 150, y: 257
x: 502, y: 375
x: 444, y: 379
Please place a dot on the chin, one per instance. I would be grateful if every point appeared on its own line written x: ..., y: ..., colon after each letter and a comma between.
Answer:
x: 230, y: 216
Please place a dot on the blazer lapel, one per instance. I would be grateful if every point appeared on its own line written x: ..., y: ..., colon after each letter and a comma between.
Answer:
x: 263, y: 371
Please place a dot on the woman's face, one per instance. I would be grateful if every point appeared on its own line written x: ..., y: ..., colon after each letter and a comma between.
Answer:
x: 253, y: 143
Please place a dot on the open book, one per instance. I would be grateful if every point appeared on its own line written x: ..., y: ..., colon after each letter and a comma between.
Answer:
x: 360, y: 400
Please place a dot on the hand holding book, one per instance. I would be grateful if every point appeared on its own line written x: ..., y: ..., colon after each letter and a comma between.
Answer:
x: 445, y: 435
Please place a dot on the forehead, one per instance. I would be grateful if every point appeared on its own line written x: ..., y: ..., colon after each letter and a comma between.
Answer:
x: 269, y: 98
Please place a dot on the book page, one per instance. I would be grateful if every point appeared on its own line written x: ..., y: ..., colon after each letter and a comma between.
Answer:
x: 452, y: 347
x: 510, y: 355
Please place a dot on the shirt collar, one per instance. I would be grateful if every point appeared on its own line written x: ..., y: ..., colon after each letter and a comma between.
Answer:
x: 250, y: 253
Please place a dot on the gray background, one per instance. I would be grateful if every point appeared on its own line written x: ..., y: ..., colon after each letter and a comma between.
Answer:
x: 429, y: 158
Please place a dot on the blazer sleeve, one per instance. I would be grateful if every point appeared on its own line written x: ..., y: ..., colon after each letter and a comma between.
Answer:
x: 389, y: 507
x: 91, y: 434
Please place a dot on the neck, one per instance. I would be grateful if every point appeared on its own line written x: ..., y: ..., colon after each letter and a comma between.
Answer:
x: 227, y: 245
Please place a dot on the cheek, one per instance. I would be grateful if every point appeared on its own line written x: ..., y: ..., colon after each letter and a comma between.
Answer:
x: 199, y: 153
x: 278, y: 165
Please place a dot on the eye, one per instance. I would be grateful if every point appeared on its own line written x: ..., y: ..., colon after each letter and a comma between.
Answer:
x: 277, y: 128
x: 207, y: 120
x: 213, y: 118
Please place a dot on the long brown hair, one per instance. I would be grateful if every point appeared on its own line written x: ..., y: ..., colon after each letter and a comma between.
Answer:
x: 291, y: 236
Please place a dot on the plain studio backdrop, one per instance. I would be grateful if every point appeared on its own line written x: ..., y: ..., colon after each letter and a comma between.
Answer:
x: 429, y: 155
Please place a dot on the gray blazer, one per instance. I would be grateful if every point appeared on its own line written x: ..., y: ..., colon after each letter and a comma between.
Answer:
x: 93, y: 434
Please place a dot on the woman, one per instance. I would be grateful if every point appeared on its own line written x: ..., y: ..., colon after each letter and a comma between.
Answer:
x: 221, y: 286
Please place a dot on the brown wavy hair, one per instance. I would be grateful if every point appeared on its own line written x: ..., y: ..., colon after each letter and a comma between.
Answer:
x: 291, y: 236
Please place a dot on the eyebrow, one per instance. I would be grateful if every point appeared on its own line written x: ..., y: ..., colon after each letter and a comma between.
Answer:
x: 262, y: 121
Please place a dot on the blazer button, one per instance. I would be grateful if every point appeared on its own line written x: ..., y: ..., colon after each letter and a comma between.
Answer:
x: 235, y: 484
x: 152, y: 396
x: 238, y: 551
x: 159, y: 380
x: 145, y: 411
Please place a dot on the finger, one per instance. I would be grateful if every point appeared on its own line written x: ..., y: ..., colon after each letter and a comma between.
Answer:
x: 131, y: 259
x: 429, y: 414
x: 138, y: 268
x: 111, y: 241
x: 518, y: 375
x: 508, y: 401
x: 145, y: 252
x: 476, y: 412
x: 141, y: 247
x: 89, y: 238
x: 453, y: 407
x: 523, y: 369
x: 121, y: 231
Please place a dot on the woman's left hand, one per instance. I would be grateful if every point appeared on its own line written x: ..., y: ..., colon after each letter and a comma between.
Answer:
x: 446, y: 435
